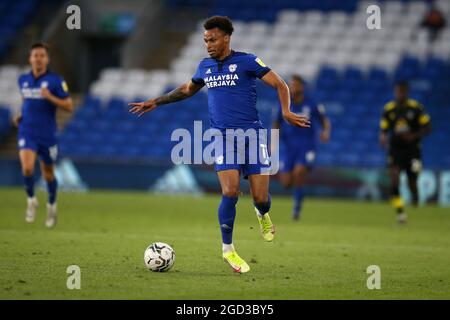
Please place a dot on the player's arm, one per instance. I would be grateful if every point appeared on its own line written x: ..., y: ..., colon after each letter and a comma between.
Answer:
x: 63, y: 103
x: 425, y: 124
x: 425, y: 127
x: 182, y: 92
x: 325, y: 123
x: 326, y: 128
x: 384, y: 129
x: 59, y: 96
x: 275, y: 81
x: 424, y: 130
x: 16, y: 119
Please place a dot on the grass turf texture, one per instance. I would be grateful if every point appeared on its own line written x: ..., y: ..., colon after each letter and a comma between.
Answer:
x: 324, y: 256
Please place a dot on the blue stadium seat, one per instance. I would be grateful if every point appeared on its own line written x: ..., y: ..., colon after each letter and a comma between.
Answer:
x: 354, y: 102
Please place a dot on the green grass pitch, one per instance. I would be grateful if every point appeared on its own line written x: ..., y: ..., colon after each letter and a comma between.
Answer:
x: 325, y: 256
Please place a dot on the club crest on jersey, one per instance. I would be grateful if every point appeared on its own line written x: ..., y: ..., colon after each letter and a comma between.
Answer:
x: 232, y: 67
x: 25, y: 84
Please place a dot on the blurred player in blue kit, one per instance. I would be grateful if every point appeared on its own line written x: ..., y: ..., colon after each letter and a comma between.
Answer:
x: 42, y: 93
x: 230, y: 78
x: 298, y: 145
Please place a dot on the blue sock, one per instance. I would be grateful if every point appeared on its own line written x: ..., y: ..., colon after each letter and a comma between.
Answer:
x: 264, y: 207
x: 52, y: 187
x: 29, y: 185
x: 298, y: 199
x: 227, y: 214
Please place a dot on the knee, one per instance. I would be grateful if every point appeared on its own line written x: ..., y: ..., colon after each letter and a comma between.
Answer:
x: 230, y: 191
x: 27, y: 171
x: 286, y: 181
x: 48, y: 175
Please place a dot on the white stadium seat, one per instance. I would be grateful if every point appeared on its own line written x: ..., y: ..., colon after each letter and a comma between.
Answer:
x: 298, y: 42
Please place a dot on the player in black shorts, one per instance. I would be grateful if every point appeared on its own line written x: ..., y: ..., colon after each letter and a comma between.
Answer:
x: 403, y: 124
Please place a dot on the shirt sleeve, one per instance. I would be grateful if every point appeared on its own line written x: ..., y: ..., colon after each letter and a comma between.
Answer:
x: 318, y: 111
x: 61, y: 88
x: 197, y: 77
x: 384, y: 122
x: 424, y: 118
x: 256, y: 67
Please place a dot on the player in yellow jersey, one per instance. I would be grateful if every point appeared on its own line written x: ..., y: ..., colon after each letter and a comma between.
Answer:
x: 403, y: 124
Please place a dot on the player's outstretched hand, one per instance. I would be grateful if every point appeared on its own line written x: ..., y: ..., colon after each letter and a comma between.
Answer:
x: 297, y: 120
x: 140, y: 108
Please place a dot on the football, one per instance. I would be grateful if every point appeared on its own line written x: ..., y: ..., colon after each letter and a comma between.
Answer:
x: 159, y: 257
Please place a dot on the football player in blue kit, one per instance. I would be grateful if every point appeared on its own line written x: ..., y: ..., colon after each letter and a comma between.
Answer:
x: 42, y: 93
x: 298, y: 146
x: 230, y: 78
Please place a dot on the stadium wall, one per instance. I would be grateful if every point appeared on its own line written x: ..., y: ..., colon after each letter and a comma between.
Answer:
x: 358, y: 184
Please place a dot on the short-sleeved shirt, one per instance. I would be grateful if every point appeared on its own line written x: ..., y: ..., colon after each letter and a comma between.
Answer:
x: 397, y: 120
x: 38, y: 114
x: 231, y: 85
x: 294, y: 137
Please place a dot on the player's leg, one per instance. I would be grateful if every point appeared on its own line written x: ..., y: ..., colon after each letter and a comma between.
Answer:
x: 48, y: 157
x: 413, y: 174
x: 397, y: 201
x: 229, y: 183
x: 286, y: 179
x: 259, y: 188
x: 286, y: 167
x: 48, y: 173
x: 27, y: 162
x: 412, y: 184
x: 303, y: 162
x: 299, y: 177
x: 286, y: 176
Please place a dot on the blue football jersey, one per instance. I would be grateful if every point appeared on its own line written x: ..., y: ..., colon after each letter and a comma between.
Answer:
x: 38, y: 114
x: 231, y: 85
x: 296, y: 137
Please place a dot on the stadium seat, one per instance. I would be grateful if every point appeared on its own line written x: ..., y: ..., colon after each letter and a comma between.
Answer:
x: 350, y: 68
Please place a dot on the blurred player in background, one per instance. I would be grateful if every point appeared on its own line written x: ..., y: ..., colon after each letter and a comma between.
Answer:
x: 298, y: 150
x: 403, y: 124
x: 42, y: 93
x: 230, y: 78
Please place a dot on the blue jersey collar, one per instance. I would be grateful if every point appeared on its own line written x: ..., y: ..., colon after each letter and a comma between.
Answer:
x: 227, y: 57
x: 47, y: 71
